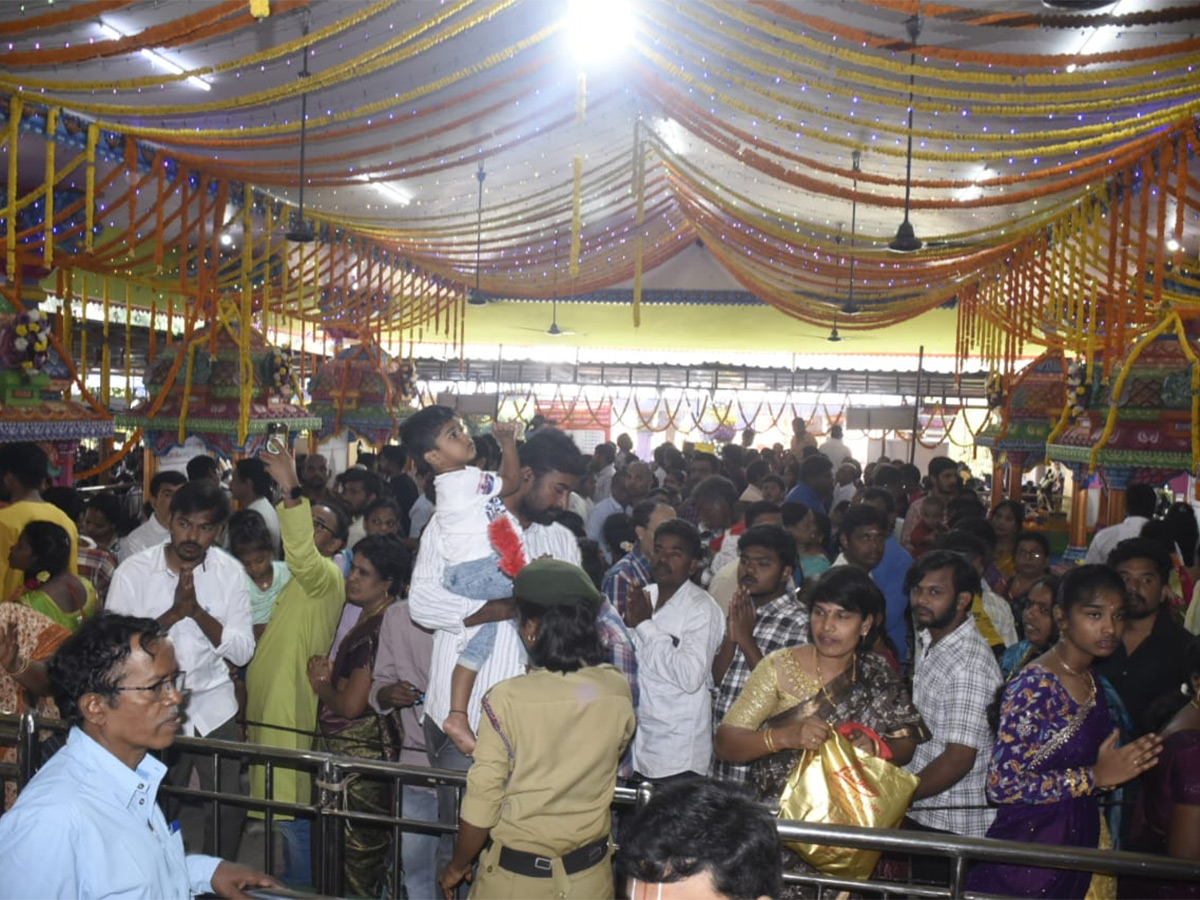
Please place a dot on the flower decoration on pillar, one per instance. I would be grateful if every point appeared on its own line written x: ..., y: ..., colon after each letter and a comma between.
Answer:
x: 994, y: 389
x: 26, y: 343
x: 405, y: 379
x: 1078, y: 389
x: 279, y: 370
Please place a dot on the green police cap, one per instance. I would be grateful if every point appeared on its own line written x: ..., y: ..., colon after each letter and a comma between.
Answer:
x: 552, y: 582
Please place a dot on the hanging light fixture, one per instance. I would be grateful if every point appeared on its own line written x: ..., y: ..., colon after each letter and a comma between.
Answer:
x: 477, y: 298
x: 850, y: 308
x: 302, y: 233
x: 906, y: 240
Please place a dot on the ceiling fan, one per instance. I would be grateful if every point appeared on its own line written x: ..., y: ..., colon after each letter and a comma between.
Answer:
x: 554, y: 330
x: 834, y: 336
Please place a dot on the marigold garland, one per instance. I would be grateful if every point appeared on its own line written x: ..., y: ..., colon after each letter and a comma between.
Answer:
x: 1018, y: 62
x: 785, y: 100
x: 391, y: 53
x: 199, y: 136
x: 198, y: 26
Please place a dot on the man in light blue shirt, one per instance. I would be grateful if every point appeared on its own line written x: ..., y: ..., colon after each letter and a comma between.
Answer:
x: 890, y: 573
x: 87, y: 825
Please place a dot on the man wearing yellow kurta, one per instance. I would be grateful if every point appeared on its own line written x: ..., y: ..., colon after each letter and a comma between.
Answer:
x: 281, y: 708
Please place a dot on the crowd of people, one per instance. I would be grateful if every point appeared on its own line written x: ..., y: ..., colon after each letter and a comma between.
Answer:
x: 551, y: 622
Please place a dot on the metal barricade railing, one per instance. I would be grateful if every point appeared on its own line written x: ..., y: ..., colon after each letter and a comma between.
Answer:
x: 331, y: 771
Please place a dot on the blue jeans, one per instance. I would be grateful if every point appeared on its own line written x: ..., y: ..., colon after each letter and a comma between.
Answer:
x: 297, y: 851
x: 419, y: 851
x: 478, y: 579
x: 479, y: 648
x: 444, y: 755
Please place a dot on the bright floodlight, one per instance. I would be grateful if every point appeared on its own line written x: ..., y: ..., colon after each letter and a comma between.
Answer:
x: 599, y: 30
x: 1172, y: 244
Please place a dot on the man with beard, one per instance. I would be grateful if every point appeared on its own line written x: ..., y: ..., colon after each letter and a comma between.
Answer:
x: 764, y: 616
x: 87, y: 825
x: 956, y: 679
x: 551, y: 465
x: 360, y: 489
x: 943, y: 483
x: 1149, y: 661
x: 315, y: 480
x: 198, y: 593
x: 677, y: 629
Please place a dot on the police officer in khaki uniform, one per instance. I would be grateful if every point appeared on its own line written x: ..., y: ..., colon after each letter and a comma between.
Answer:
x: 539, y: 791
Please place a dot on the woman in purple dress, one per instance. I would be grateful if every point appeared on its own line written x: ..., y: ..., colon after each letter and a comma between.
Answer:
x: 1055, y: 748
x: 1167, y: 820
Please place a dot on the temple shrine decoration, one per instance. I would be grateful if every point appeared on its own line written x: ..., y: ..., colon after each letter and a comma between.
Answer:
x: 362, y: 389
x: 1143, y: 426
x: 225, y: 392
x: 1028, y: 404
x: 34, y: 381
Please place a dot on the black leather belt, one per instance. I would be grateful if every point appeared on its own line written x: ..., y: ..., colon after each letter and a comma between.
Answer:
x: 533, y: 866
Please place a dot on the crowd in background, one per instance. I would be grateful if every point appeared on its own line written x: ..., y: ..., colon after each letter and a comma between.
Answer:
x: 732, y: 607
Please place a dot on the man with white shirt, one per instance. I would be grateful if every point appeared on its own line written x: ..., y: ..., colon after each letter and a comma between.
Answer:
x: 835, y: 448
x: 551, y: 465
x: 153, y: 531
x: 198, y: 593
x: 1140, y: 503
x: 251, y: 487
x: 604, y: 462
x: 847, y: 481
x: 677, y: 629
x: 616, y: 502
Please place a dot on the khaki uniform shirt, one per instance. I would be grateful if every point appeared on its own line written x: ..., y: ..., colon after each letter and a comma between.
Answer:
x: 566, y: 734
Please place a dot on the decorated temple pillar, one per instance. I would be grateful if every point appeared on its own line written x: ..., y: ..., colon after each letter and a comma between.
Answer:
x: 1113, y: 496
x: 999, y: 485
x: 1077, y: 536
x: 1016, y: 471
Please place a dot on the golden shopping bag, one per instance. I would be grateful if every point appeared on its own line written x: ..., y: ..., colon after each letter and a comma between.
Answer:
x: 840, y: 785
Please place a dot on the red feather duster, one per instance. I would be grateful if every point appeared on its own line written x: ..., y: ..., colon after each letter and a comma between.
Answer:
x: 507, y: 543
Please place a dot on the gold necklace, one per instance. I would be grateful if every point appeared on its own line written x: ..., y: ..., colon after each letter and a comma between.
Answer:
x: 821, y: 679
x: 384, y: 604
x: 1063, y: 659
x: 1090, y: 681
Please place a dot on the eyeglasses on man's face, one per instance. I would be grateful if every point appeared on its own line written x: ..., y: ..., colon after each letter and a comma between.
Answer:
x: 163, y: 688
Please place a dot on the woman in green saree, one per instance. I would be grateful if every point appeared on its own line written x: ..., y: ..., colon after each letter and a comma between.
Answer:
x: 43, y: 554
x: 796, y: 697
x: 379, y: 573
